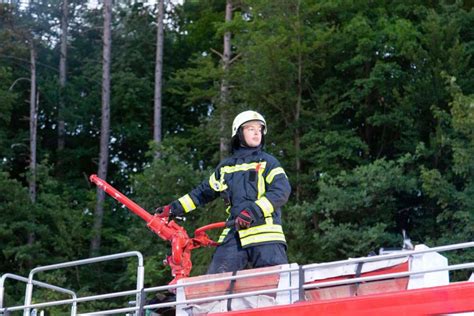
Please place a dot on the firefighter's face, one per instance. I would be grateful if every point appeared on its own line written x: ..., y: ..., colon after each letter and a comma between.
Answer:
x: 253, y: 133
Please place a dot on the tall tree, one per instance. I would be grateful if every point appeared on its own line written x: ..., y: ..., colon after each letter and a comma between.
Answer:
x: 224, y: 86
x: 104, y: 127
x: 33, y: 120
x: 299, y: 94
x: 283, y: 61
x: 29, y: 31
x: 158, y: 76
x: 62, y: 75
x: 198, y: 84
x: 34, y: 100
x: 22, y: 29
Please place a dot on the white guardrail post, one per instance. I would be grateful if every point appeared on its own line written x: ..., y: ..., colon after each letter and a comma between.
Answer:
x: 29, y: 286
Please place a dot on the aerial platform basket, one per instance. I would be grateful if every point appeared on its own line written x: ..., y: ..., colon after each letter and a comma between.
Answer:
x: 414, y: 282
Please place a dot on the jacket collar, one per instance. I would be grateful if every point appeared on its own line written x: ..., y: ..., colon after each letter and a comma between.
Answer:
x: 242, y: 152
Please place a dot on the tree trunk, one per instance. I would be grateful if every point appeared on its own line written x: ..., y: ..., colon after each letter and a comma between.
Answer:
x: 33, y: 124
x: 158, y: 78
x: 104, y: 129
x: 297, y: 137
x: 62, y: 76
x: 224, y: 91
x: 34, y: 100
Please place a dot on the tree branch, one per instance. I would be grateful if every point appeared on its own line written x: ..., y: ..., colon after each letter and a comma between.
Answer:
x: 217, y: 53
x: 14, y: 82
x: 235, y: 57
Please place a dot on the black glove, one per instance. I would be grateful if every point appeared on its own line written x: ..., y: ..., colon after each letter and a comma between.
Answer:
x: 246, y: 214
x: 244, y: 219
x: 163, y: 211
x: 169, y: 211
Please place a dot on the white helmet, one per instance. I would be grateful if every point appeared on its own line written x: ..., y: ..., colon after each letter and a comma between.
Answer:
x: 245, y: 117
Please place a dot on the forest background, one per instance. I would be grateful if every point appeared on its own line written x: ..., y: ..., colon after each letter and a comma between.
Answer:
x: 369, y: 104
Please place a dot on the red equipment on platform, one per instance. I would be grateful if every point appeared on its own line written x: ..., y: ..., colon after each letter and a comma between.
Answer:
x: 181, y: 243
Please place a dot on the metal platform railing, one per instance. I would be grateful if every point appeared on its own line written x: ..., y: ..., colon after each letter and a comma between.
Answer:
x: 37, y: 283
x: 31, y: 282
x: 300, y: 271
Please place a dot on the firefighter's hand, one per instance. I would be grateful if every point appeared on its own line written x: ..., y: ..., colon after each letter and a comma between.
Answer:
x: 243, y: 220
x: 164, y: 211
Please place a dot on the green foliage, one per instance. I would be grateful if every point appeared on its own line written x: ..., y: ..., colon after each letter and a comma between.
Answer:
x: 366, y: 204
x: 450, y: 186
x: 52, y: 230
x: 7, y: 98
x: 332, y: 150
x: 6, y: 95
x: 167, y: 178
x: 16, y: 212
x: 369, y: 108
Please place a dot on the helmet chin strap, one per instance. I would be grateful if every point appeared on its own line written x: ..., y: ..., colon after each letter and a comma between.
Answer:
x: 239, y: 140
x: 242, y: 141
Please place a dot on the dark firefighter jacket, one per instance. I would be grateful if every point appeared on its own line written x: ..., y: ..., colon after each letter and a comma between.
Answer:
x: 249, y: 179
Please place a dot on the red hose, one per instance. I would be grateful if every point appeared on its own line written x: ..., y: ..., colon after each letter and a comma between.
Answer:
x: 209, y: 227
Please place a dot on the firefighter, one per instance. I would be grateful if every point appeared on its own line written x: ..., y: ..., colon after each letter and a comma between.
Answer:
x: 254, y: 187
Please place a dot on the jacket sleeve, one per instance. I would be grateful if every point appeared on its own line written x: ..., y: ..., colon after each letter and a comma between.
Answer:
x: 277, y: 189
x: 199, y: 196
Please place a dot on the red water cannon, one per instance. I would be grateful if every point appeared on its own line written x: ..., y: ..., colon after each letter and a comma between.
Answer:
x: 169, y: 230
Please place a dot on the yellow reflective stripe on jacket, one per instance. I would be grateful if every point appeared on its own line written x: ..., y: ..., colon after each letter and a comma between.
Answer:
x: 243, y: 167
x: 262, y: 233
x: 261, y: 229
x: 217, y: 186
x: 261, y: 182
x: 266, y: 206
x: 187, y: 203
x: 223, y: 234
x: 254, y: 239
x: 273, y: 173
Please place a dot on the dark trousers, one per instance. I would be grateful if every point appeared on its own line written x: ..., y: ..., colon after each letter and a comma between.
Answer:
x: 230, y: 256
